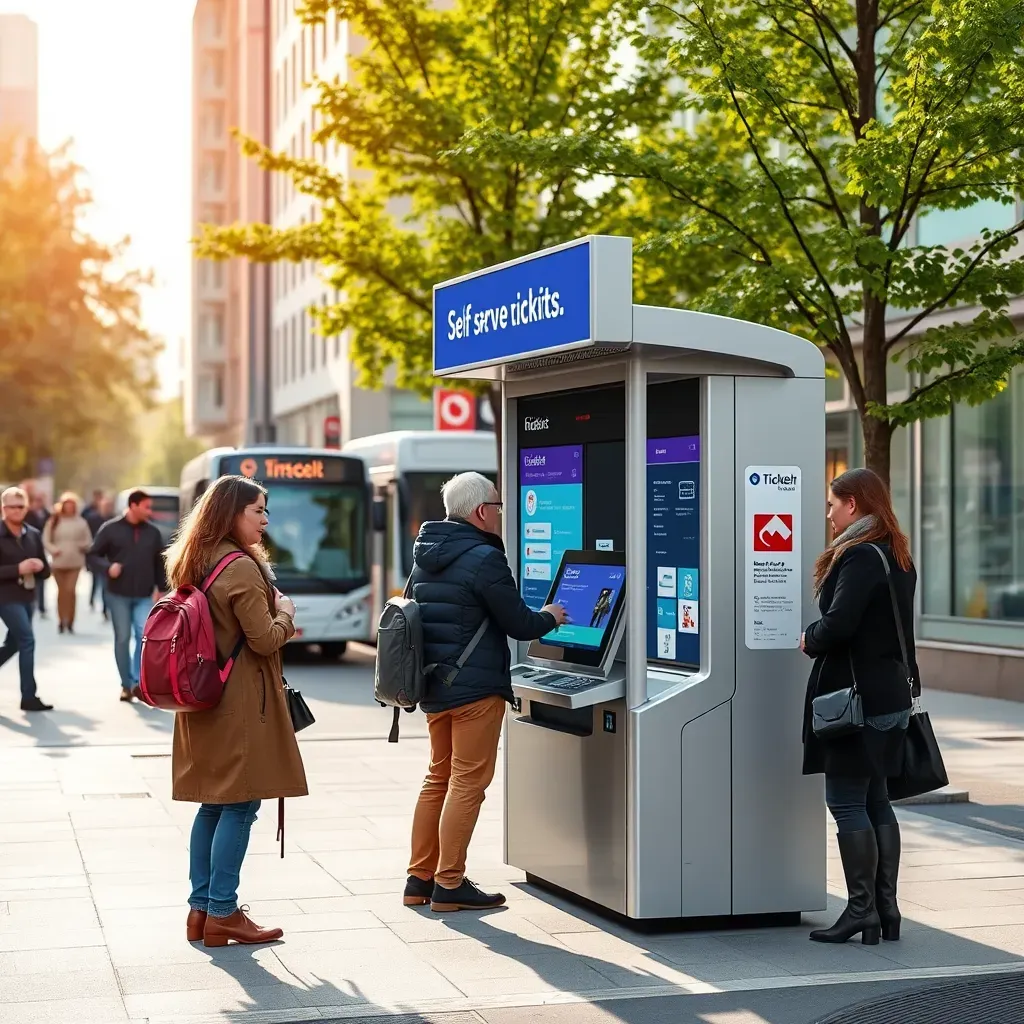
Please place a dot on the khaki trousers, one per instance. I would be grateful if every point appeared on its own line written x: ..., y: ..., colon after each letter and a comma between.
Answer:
x: 67, y: 581
x: 463, y: 752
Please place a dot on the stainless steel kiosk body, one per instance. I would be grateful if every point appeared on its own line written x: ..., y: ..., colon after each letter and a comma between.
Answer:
x: 664, y: 782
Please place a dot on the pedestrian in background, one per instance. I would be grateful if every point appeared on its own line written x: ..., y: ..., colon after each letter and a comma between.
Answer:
x: 128, y: 550
x: 99, y: 512
x: 23, y: 567
x: 856, y: 642
x: 67, y: 538
x: 244, y: 751
x: 460, y: 579
x: 37, y: 516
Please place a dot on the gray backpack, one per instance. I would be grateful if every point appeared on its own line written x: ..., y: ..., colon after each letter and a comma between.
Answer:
x: 400, y: 677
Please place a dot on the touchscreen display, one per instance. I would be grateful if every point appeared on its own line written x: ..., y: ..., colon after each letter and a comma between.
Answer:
x: 588, y: 593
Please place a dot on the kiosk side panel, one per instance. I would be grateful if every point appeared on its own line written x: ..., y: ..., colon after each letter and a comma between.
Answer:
x: 778, y: 813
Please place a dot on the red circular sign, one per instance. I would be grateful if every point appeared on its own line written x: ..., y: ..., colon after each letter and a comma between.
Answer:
x: 248, y: 467
x: 456, y: 410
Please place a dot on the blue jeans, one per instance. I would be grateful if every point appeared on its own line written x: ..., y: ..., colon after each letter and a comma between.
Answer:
x: 128, y: 614
x: 858, y: 803
x: 20, y: 640
x: 220, y: 837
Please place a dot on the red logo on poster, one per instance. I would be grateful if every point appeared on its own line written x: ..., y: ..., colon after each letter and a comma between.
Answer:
x: 454, y: 410
x: 773, y: 532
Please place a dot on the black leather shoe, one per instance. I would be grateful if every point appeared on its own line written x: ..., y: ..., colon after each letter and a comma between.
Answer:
x: 127, y: 696
x: 417, y: 892
x: 466, y: 897
x: 859, y: 854
x: 888, y: 837
x: 35, y: 704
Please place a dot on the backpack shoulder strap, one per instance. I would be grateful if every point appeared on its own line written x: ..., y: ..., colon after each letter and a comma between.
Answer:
x: 230, y: 557
x: 464, y: 656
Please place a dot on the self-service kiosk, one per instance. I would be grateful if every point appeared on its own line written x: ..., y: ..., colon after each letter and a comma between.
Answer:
x: 663, y: 478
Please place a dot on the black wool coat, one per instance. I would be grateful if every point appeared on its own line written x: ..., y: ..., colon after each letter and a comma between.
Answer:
x: 856, y: 637
x: 461, y: 577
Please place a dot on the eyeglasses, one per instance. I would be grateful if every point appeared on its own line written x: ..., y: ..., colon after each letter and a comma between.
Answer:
x: 16, y: 506
x: 499, y: 505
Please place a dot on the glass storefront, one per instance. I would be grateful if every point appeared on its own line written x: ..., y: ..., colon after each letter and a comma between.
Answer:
x: 972, y: 549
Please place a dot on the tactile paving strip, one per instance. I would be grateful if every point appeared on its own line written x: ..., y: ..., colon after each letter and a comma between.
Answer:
x: 993, y: 1000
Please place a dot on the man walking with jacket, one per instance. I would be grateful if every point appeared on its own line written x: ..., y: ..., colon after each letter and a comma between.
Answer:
x: 129, y: 552
x: 23, y: 567
x: 460, y: 578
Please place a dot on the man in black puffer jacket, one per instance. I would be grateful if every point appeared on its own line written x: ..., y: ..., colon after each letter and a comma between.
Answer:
x: 462, y: 577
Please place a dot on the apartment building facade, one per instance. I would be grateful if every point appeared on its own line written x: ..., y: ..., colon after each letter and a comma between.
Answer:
x: 312, y: 378
x: 19, y: 76
x: 227, y: 395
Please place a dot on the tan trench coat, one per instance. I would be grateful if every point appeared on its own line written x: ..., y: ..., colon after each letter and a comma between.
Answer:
x: 245, y: 748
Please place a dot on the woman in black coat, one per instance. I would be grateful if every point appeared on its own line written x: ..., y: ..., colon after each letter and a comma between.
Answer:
x: 856, y: 640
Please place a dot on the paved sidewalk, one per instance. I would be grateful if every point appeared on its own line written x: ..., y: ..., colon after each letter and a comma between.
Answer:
x: 93, y: 881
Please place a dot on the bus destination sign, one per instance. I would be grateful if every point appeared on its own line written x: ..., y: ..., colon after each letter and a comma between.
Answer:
x: 293, y: 468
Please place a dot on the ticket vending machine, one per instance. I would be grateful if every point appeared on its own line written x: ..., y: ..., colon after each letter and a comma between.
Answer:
x: 663, y: 476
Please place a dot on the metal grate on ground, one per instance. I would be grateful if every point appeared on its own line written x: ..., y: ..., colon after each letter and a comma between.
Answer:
x: 994, y: 1000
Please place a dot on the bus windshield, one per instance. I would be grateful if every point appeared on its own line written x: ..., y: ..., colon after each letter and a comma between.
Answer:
x: 317, y: 536
x: 420, y: 502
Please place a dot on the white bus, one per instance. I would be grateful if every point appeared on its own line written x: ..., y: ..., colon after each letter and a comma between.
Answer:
x: 319, y: 537
x: 407, y: 469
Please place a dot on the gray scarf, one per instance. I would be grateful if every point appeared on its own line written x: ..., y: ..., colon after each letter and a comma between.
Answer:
x: 857, y: 529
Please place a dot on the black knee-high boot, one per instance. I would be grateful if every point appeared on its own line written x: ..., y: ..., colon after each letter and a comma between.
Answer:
x: 888, y: 839
x: 859, y: 853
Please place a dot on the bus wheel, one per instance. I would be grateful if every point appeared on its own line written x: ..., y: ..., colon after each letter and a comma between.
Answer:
x: 333, y: 651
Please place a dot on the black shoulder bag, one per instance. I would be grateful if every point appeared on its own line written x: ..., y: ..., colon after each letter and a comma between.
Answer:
x: 923, y: 768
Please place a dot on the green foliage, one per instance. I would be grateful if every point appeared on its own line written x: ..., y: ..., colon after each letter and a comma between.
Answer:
x: 72, y: 344
x: 819, y: 132
x: 164, y: 447
x: 416, y: 212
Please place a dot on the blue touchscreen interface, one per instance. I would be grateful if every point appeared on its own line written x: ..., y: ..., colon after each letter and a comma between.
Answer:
x: 589, y: 594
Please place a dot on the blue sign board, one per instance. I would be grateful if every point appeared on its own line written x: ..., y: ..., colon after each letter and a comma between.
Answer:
x: 533, y: 306
x: 562, y: 298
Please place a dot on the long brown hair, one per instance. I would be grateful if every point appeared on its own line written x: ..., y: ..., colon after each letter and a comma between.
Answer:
x: 872, y: 497
x: 210, y: 521
x: 58, y: 508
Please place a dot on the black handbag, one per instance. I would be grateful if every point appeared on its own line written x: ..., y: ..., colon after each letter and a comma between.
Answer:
x: 298, y: 709
x: 923, y: 768
x: 839, y: 713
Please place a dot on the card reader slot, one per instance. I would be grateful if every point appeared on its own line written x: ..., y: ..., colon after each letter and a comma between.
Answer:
x: 577, y: 721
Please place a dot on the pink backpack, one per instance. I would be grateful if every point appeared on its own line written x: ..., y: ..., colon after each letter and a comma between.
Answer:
x: 180, y: 671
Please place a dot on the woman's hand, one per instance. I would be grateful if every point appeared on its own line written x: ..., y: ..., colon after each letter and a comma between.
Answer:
x: 803, y: 642
x: 284, y: 604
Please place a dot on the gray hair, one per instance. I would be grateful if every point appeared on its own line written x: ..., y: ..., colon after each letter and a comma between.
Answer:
x: 8, y: 496
x: 464, y: 493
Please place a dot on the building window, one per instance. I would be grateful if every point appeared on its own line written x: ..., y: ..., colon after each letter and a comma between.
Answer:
x: 215, y: 21
x: 302, y: 50
x: 218, y: 389
x: 211, y: 274
x: 213, y: 122
x: 212, y: 172
x: 337, y: 27
x: 212, y: 213
x: 944, y: 227
x: 295, y: 91
x: 213, y: 69
x: 211, y: 329
x: 312, y: 51
x: 302, y: 344
x: 323, y: 39
x: 973, y: 509
x: 337, y: 337
x: 293, y: 332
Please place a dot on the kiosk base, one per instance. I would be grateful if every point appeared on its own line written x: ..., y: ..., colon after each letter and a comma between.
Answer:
x: 659, y: 925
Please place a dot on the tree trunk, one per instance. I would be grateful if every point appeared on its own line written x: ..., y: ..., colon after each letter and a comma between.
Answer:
x: 877, y: 438
x: 497, y: 412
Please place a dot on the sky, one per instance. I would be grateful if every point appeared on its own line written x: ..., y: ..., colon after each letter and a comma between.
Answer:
x: 115, y: 78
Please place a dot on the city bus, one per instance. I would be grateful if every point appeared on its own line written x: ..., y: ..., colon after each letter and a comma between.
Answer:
x: 166, y: 507
x: 407, y: 469
x: 319, y: 537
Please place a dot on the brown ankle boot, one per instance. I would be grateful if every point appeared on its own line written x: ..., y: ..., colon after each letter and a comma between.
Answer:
x: 237, y: 928
x: 195, y: 925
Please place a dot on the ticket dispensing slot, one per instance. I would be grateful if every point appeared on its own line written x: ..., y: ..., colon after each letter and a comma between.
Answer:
x: 574, y: 665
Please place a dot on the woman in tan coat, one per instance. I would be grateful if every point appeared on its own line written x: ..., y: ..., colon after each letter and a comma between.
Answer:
x: 243, y: 751
x: 67, y: 538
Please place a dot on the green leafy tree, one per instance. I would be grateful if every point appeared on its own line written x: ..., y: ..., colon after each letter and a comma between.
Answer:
x: 72, y: 343
x: 413, y: 214
x: 820, y: 134
x: 164, y: 447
